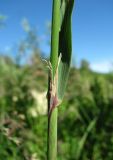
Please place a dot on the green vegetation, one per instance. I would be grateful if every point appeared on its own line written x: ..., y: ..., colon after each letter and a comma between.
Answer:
x: 52, y: 112
x: 85, y: 124
x: 85, y: 117
x: 59, y: 66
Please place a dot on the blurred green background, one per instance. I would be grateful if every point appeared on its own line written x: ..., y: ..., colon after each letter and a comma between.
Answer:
x: 85, y: 121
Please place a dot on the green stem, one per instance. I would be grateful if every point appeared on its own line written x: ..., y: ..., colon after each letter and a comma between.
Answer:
x: 55, y: 34
x: 52, y: 135
x: 52, y: 119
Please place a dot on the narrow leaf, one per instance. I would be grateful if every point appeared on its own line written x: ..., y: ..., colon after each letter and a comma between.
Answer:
x: 65, y: 46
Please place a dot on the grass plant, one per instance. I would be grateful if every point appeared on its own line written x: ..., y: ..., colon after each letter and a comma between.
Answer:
x: 60, y: 59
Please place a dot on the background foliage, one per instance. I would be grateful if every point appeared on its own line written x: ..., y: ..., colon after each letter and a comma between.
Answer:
x: 85, y: 124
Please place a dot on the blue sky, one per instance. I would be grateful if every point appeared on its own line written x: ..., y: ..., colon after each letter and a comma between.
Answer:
x: 92, y: 28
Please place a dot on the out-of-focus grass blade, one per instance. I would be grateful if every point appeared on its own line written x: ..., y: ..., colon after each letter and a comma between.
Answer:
x: 65, y: 45
x: 84, y: 138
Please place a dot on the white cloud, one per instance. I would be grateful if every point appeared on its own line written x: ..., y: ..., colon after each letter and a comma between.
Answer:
x: 103, y: 66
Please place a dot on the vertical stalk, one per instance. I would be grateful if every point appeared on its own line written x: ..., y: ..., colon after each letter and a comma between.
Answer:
x: 61, y: 46
x: 55, y: 34
x: 52, y: 119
